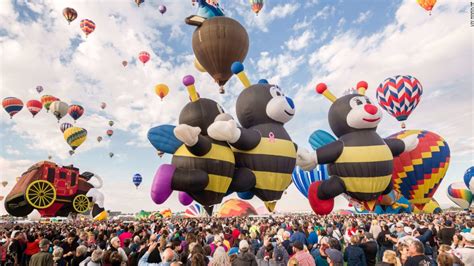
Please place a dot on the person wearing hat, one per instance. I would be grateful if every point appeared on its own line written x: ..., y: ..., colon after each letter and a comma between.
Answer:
x: 334, y: 257
x: 466, y: 253
x: 43, y: 257
x: 245, y: 257
x: 445, y: 234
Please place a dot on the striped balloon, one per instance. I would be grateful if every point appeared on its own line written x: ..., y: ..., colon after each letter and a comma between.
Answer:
x: 399, y: 95
x: 46, y: 100
x: 194, y: 211
x: 143, y: 57
x: 75, y: 111
x: 468, y: 180
x: 303, y: 179
x: 34, y: 106
x: 12, y: 105
x: 418, y: 173
x: 87, y: 26
x: 75, y: 136
x: 460, y: 195
x: 137, y: 180
x: 65, y: 126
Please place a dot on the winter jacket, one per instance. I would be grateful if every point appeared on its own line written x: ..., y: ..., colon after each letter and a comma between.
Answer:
x: 354, y: 256
x: 245, y: 259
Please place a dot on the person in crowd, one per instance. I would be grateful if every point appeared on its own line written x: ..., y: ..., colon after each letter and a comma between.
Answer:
x: 43, y: 257
x: 384, y: 240
x: 220, y: 258
x: 58, y: 257
x: 304, y: 257
x: 353, y: 254
x: 79, y: 256
x: 416, y: 254
x: 370, y: 248
x: 334, y: 257
x: 94, y: 260
x: 389, y: 258
x: 69, y: 248
x: 115, y: 246
x: 466, y: 253
x: 446, y: 233
x: 245, y: 256
x: 32, y: 247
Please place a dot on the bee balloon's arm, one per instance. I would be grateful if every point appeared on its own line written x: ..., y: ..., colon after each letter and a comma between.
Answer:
x: 329, y: 153
x: 249, y: 139
x: 396, y: 146
x: 202, y: 146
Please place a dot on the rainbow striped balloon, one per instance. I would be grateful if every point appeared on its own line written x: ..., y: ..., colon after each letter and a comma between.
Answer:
x: 194, y: 211
x: 459, y: 194
x: 12, y: 105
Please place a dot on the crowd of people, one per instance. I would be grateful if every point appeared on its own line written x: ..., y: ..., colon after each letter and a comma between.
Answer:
x: 404, y: 239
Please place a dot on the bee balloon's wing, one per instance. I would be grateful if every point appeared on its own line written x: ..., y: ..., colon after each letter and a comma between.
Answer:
x: 163, y: 139
x: 320, y: 138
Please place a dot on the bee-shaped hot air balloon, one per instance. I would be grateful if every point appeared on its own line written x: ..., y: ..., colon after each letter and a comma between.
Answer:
x: 264, y: 152
x: 360, y: 162
x: 201, y: 166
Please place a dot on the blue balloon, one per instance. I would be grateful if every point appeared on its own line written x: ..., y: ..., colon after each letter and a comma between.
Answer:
x: 137, y: 179
x: 468, y: 178
x: 163, y: 139
x: 303, y: 179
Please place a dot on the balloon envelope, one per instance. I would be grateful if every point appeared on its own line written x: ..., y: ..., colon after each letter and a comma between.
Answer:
x: 12, y: 105
x: 468, y: 180
x: 46, y: 100
x: 69, y: 14
x: 144, y: 57
x: 417, y: 174
x: 137, y: 180
x: 303, y: 179
x: 219, y: 42
x: 34, y: 106
x: 161, y: 90
x: 236, y: 208
x: 39, y: 89
x: 103, y: 105
x: 162, y: 9
x: 458, y: 194
x: 75, y: 136
x: 75, y: 111
x: 194, y: 211
x: 65, y: 126
x: 87, y: 26
x: 59, y: 109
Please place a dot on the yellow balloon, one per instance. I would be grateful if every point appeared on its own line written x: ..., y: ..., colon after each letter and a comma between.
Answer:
x: 198, y: 66
x: 75, y: 136
x: 161, y: 90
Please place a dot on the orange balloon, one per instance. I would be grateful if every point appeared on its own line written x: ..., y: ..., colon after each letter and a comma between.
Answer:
x: 161, y: 90
x: 427, y: 4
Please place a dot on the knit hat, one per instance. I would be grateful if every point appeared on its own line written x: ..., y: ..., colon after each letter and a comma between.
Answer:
x: 233, y: 251
x: 243, y: 245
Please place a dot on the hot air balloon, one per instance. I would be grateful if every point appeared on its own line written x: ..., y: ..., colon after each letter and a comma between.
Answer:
x: 162, y: 9
x: 161, y: 90
x: 111, y: 123
x: 468, y: 180
x: 99, y: 138
x: 143, y: 57
x: 65, y: 126
x: 103, y: 105
x: 12, y: 105
x: 46, y: 100
x: 427, y: 4
x: 50, y: 157
x: 124, y: 63
x: 111, y: 154
x: 34, y: 106
x: 303, y: 179
x: 75, y: 111
x: 137, y: 180
x: 256, y: 5
x: 75, y: 136
x: 217, y: 43
x: 39, y: 89
x: 87, y: 26
x: 4, y: 183
x: 195, y: 211
x: 139, y: 2
x: 69, y: 14
x: 417, y: 174
x: 399, y: 96
x: 458, y: 194
x: 236, y: 208
x: 59, y: 109
x: 110, y: 132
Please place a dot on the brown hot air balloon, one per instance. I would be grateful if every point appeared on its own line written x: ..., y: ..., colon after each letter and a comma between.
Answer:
x: 69, y: 14
x: 217, y: 43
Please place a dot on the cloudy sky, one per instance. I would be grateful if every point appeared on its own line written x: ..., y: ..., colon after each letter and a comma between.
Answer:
x: 295, y: 44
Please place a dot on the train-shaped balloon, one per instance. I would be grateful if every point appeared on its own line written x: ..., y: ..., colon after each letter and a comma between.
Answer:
x: 55, y: 191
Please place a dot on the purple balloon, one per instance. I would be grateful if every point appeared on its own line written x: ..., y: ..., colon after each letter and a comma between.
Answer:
x: 184, y: 198
x: 161, y: 186
x: 188, y: 80
x: 162, y: 9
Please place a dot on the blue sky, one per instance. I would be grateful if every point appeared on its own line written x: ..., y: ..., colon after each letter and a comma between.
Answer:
x: 293, y: 43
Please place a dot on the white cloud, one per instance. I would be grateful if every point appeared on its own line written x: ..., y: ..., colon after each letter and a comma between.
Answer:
x: 363, y: 16
x: 341, y: 22
x: 278, y: 67
x: 302, y: 24
x: 300, y: 42
x: 326, y: 12
x: 11, y: 151
x: 266, y: 16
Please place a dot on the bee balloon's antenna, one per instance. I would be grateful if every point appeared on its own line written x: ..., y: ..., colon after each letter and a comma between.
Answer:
x: 362, y: 87
x: 238, y: 69
x: 188, y: 81
x: 321, y: 88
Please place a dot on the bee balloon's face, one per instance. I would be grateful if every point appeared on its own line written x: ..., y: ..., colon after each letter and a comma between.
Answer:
x: 202, y: 113
x: 363, y: 113
x: 280, y: 108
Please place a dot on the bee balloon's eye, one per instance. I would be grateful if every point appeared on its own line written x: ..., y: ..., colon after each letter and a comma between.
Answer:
x: 275, y: 91
x: 359, y: 102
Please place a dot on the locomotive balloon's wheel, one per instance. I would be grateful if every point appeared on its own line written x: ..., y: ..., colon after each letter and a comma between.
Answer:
x: 40, y: 194
x: 80, y: 203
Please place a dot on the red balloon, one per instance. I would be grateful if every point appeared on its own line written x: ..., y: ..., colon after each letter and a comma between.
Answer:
x: 143, y: 57
x: 319, y: 206
x: 34, y: 106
